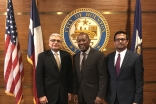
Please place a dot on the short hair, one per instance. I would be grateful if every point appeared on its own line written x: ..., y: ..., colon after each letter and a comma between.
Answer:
x: 121, y: 32
x: 55, y: 34
x: 82, y: 33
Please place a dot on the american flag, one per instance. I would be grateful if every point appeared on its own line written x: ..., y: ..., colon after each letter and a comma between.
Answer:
x: 35, y: 44
x: 13, y: 67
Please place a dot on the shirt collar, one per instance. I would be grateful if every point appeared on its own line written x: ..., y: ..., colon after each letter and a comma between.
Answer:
x: 87, y: 52
x: 121, y: 53
x: 58, y: 53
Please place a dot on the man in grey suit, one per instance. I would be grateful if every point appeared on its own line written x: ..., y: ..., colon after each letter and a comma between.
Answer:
x: 90, y: 74
x: 54, y: 73
x: 125, y: 68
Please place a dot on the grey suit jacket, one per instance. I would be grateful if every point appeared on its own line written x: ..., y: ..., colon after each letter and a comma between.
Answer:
x: 128, y: 85
x: 93, y: 81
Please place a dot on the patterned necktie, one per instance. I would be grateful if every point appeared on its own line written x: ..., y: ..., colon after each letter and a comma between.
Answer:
x: 83, y: 62
x: 117, y: 66
x: 57, y: 60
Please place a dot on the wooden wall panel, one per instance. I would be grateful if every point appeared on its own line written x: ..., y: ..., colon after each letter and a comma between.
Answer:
x: 148, y: 6
x: 21, y: 5
x: 3, y: 6
x: 116, y: 22
x: 50, y: 24
x: 149, y: 59
x: 1, y: 70
x: 2, y: 31
x: 27, y: 96
x: 69, y: 5
x: 121, y: 17
x: 5, y: 99
x: 148, y: 30
x: 149, y: 93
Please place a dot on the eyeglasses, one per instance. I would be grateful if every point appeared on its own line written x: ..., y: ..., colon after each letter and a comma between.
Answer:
x: 54, y: 40
x: 79, y: 40
x: 118, y: 39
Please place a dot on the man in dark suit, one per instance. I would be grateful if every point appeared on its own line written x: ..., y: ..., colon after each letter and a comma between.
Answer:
x: 90, y: 74
x: 125, y: 84
x: 54, y: 74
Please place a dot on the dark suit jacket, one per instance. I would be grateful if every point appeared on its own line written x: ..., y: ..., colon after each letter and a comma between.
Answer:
x: 93, y: 81
x: 128, y: 85
x: 51, y: 82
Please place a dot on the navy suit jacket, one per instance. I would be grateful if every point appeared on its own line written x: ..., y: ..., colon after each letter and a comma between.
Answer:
x: 51, y: 82
x: 128, y: 85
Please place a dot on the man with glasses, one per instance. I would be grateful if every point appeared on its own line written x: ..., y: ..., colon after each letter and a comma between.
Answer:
x: 90, y: 74
x: 54, y: 73
x: 125, y: 70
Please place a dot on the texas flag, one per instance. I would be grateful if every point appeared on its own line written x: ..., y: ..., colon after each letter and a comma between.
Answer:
x: 136, y: 45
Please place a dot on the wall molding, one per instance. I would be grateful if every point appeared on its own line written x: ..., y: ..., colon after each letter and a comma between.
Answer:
x: 61, y: 13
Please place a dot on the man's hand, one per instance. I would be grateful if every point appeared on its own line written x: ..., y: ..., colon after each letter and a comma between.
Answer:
x: 43, y: 100
x: 98, y: 100
x: 75, y: 99
x: 69, y: 96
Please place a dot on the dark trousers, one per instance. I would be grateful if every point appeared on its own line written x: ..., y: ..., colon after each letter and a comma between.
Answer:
x: 59, y: 101
x: 116, y: 100
x: 83, y: 100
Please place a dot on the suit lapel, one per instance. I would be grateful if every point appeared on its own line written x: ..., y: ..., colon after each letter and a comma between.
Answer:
x: 112, y: 64
x: 90, y: 54
x: 52, y: 58
x: 61, y: 56
x: 124, y: 61
x: 77, y: 63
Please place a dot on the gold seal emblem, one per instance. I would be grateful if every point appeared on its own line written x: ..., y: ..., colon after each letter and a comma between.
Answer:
x: 85, y: 20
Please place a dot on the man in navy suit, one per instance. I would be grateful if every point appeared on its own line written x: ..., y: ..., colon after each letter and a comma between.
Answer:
x: 125, y: 68
x: 54, y: 73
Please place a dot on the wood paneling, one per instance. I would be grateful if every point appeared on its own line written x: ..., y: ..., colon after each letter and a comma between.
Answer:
x: 148, y: 30
x: 121, y: 18
x: 149, y: 58
x: 149, y: 93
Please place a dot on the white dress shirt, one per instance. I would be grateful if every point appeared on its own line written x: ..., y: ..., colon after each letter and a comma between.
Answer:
x: 58, y: 53
x: 81, y: 55
x: 122, y: 55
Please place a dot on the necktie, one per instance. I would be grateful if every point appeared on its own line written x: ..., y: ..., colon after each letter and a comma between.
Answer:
x: 117, y: 66
x: 83, y: 62
x: 57, y: 60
